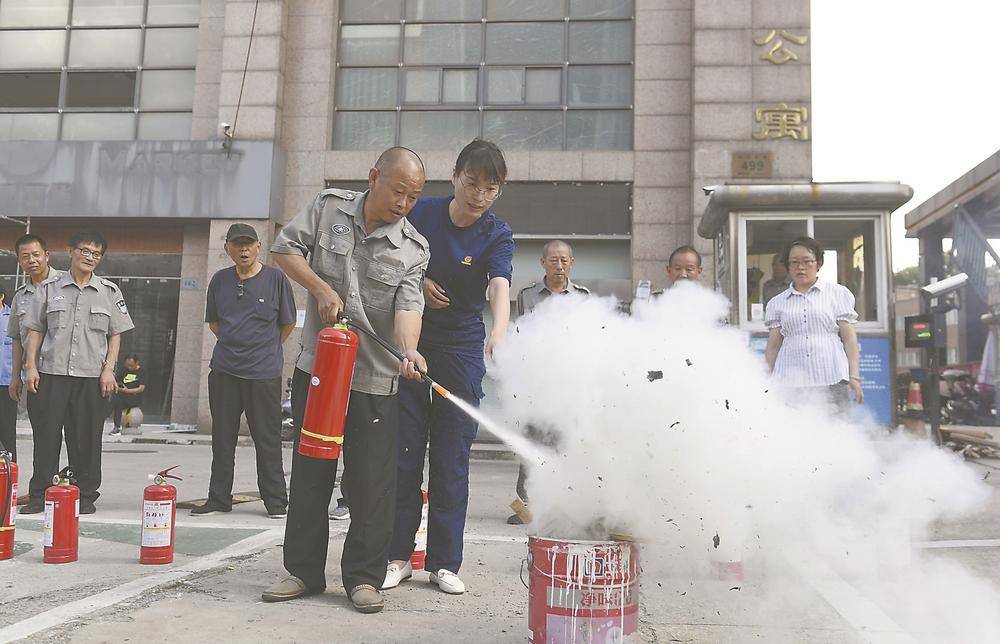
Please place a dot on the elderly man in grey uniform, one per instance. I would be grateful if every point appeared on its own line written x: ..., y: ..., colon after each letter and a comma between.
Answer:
x: 557, y: 262
x: 77, y: 319
x: 366, y: 261
x: 33, y: 258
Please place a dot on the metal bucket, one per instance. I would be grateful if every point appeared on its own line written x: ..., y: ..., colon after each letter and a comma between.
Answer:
x: 582, y: 591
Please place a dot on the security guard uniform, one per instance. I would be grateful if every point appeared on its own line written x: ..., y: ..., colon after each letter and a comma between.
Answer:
x: 527, y: 299
x: 531, y: 296
x: 375, y: 275
x: 45, y: 456
x: 75, y: 323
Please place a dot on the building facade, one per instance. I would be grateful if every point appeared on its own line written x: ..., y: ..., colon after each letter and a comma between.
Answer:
x: 612, y: 114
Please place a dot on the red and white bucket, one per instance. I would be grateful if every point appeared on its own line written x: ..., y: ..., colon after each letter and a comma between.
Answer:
x: 420, y: 539
x: 582, y: 591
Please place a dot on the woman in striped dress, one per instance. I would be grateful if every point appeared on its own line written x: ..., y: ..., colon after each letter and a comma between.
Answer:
x: 812, y: 345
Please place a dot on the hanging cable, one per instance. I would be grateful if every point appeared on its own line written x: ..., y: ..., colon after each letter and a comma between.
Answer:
x: 231, y: 133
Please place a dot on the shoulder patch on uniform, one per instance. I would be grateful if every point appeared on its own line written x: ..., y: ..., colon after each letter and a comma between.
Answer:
x: 340, y: 193
x: 121, y: 307
x: 109, y: 284
x: 341, y: 229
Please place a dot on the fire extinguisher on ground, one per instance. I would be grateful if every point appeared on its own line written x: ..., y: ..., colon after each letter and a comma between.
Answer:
x: 159, y: 510
x: 62, y: 519
x: 322, y: 431
x: 8, y: 503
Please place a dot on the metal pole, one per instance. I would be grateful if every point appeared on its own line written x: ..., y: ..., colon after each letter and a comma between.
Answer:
x: 933, y: 380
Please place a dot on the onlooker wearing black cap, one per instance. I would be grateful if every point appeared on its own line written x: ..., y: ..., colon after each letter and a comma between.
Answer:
x: 251, y: 312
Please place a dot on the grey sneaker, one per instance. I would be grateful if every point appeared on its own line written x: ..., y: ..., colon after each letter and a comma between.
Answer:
x: 340, y: 513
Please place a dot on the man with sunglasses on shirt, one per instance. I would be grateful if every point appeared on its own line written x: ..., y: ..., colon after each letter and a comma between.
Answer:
x: 251, y: 311
x: 75, y: 321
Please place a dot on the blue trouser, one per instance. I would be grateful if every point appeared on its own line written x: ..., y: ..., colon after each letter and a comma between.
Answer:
x: 449, y: 433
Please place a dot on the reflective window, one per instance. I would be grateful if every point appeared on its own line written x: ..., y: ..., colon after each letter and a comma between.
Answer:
x: 369, y: 44
x: 100, y: 89
x: 364, y: 130
x: 448, y: 130
x: 81, y: 126
x: 64, y: 57
x: 173, y: 12
x: 437, y: 44
x: 105, y: 48
x: 524, y: 130
x: 766, y: 276
x: 460, y: 85
x: 525, y: 42
x: 163, y: 89
x: 32, y: 49
x: 600, y: 42
x: 598, y: 130
x: 359, y: 87
x: 524, y: 9
x: 534, y: 74
x: 599, y: 85
x: 29, y: 89
x: 421, y: 10
x: 33, y: 13
x: 170, y: 48
x: 164, y: 127
x: 29, y: 127
x: 849, y: 259
x: 107, y: 12
x: 373, y: 10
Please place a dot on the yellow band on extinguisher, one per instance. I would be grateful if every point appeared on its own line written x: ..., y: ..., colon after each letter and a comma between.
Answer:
x: 339, y: 440
x: 5, y: 528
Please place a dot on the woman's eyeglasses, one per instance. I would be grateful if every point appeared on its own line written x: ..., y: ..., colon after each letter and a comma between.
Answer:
x: 489, y: 193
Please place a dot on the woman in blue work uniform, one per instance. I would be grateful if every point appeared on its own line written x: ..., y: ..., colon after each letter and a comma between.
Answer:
x: 471, y: 254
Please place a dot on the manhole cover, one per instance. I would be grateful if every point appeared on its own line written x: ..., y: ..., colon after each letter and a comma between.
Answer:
x: 129, y: 451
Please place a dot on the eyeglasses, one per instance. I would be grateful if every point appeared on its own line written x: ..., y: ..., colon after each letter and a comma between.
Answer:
x: 90, y: 254
x: 489, y: 193
x: 240, y: 289
x: 803, y: 263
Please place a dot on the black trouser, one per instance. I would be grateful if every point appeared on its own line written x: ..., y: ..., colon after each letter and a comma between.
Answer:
x: 121, y: 402
x: 370, y: 444
x: 74, y: 405
x: 229, y: 397
x: 8, y: 423
x: 300, y: 392
x: 537, y: 435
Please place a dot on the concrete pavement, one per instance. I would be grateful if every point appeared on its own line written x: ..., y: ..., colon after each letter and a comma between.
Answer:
x: 212, y: 591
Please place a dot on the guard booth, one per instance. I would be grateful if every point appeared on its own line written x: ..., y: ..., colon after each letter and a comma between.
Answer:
x: 750, y: 225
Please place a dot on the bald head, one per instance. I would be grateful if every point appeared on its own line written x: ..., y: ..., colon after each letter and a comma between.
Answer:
x: 557, y: 260
x: 398, y: 157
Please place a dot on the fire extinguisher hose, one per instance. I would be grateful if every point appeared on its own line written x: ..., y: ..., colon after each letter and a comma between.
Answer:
x: 9, y: 492
x: 395, y: 353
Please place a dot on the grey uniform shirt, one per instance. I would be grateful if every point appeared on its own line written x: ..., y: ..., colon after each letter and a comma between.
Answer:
x: 532, y: 296
x: 19, y: 306
x: 75, y: 324
x: 376, y: 275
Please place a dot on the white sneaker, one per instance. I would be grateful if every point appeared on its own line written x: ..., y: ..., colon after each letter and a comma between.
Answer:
x: 394, y: 574
x: 448, y: 582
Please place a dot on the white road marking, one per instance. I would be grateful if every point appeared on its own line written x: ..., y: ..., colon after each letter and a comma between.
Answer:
x: 958, y: 543
x: 74, y: 610
x: 868, y: 620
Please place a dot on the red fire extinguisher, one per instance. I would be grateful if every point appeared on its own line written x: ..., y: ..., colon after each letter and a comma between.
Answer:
x: 8, y: 504
x: 62, y: 519
x: 420, y: 539
x: 159, y: 509
x: 322, y: 432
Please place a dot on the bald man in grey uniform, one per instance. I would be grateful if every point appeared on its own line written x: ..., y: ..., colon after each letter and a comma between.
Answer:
x: 364, y: 260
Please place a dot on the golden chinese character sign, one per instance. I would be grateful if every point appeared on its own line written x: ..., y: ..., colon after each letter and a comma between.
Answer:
x: 780, y: 53
x: 782, y: 122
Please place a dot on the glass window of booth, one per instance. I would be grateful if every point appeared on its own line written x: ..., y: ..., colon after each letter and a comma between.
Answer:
x: 851, y: 245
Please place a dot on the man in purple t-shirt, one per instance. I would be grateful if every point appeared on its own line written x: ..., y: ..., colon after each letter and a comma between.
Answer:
x: 251, y: 311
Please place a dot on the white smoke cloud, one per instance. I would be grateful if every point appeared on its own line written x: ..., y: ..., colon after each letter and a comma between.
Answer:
x: 713, y: 448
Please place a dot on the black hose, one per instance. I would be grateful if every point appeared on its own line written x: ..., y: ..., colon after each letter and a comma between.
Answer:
x: 9, y: 492
x: 385, y: 345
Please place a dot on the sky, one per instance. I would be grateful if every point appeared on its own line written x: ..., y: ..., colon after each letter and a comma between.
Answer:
x: 904, y: 90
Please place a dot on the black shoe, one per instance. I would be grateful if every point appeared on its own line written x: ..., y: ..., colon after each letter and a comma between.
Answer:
x: 87, y: 507
x: 209, y: 507
x: 33, y: 507
x: 514, y: 520
x: 277, y: 513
